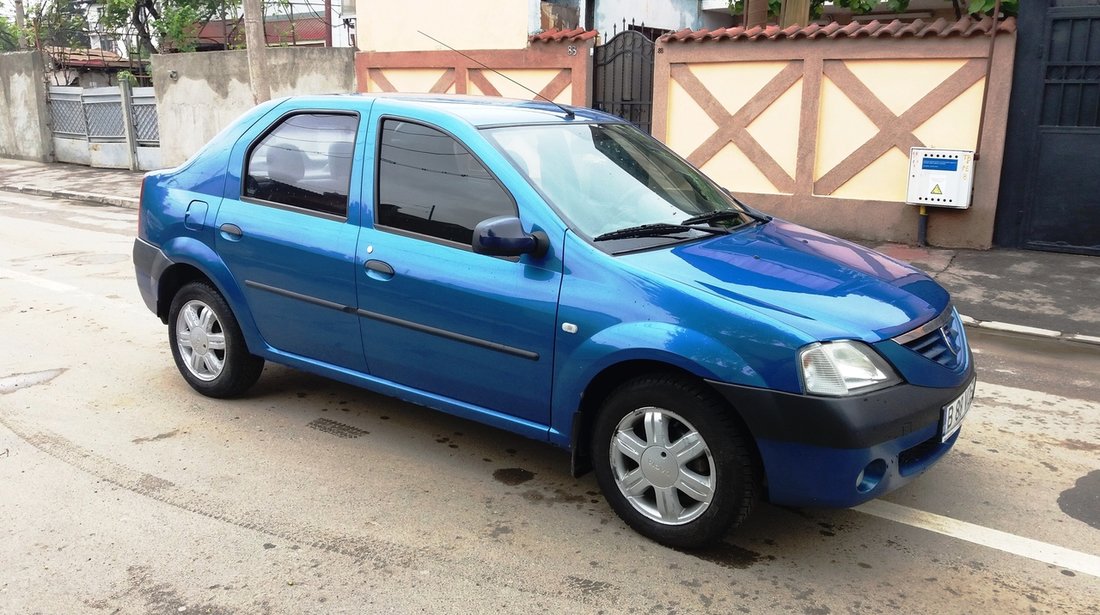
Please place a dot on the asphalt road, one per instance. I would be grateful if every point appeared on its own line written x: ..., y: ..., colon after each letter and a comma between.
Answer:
x: 122, y: 491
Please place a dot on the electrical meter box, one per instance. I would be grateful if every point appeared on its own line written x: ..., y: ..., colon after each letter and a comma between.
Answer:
x: 940, y: 177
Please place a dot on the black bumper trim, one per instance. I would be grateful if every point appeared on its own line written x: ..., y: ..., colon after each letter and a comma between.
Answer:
x: 843, y: 422
x: 149, y: 264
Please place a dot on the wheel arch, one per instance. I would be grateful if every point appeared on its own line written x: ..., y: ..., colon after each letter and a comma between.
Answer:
x: 614, y: 376
x: 193, y: 260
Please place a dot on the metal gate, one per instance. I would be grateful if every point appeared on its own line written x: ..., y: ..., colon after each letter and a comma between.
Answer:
x: 1050, y: 186
x: 622, y: 78
x: 90, y: 126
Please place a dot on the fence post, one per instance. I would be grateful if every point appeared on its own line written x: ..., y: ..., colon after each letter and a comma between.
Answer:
x: 128, y: 122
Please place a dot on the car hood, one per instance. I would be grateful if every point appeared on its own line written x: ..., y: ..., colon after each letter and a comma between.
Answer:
x: 824, y: 286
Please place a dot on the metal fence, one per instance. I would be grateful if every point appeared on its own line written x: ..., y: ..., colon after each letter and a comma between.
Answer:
x: 96, y: 114
x: 143, y: 105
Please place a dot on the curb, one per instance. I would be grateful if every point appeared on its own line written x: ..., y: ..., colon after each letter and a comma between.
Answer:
x: 1050, y: 334
x: 103, y: 199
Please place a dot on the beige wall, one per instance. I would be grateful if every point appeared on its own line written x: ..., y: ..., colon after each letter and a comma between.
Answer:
x: 819, y: 131
x: 211, y: 89
x: 559, y: 71
x: 24, y: 119
x: 470, y: 24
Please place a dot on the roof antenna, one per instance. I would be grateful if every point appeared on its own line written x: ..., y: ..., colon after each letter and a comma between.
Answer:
x: 568, y: 114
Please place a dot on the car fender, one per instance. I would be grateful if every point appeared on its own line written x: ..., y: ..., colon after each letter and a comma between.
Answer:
x: 685, y: 349
x: 191, y: 251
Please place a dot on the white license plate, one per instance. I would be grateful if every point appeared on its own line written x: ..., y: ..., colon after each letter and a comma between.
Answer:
x: 954, y: 412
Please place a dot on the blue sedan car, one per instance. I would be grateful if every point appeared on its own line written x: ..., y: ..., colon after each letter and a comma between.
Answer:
x: 554, y: 272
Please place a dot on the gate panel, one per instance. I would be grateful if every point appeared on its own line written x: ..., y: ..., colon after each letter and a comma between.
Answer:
x: 622, y: 82
x: 1051, y: 188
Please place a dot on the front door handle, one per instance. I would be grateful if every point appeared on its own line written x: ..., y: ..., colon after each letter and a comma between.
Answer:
x: 232, y: 232
x: 379, y: 270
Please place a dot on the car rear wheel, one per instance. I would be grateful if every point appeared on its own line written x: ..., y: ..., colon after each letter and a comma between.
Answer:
x: 673, y: 462
x: 207, y: 343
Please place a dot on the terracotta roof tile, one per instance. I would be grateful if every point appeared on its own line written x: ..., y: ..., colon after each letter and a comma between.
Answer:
x: 555, y: 35
x: 941, y: 28
x: 87, y: 58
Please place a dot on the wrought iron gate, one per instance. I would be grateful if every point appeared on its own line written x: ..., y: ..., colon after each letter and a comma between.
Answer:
x: 622, y: 78
x: 1050, y: 186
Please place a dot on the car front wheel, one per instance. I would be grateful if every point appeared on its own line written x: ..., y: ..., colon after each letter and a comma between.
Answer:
x: 207, y: 343
x: 673, y: 462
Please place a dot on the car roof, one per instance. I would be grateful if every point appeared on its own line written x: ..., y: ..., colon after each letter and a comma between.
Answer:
x: 480, y: 111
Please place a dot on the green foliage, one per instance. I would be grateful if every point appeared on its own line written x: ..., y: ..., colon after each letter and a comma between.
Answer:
x: 128, y: 77
x: 162, y: 24
x: 9, y: 35
x: 1008, y: 7
x: 57, y: 23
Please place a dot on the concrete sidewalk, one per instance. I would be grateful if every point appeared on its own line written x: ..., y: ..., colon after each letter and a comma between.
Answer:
x: 1031, y: 293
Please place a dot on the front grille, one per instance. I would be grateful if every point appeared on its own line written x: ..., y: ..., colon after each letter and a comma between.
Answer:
x: 940, y: 341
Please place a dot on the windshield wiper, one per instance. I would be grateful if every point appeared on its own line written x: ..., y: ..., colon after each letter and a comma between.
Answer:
x: 726, y: 214
x: 656, y: 230
x: 750, y: 212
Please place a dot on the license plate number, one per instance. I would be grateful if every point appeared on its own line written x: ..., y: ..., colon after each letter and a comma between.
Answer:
x: 954, y: 412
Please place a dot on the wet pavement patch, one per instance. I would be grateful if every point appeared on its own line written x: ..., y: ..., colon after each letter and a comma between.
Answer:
x: 1082, y: 502
x: 159, y: 436
x: 513, y: 476
x: 728, y: 556
x: 14, y: 382
x: 336, y: 428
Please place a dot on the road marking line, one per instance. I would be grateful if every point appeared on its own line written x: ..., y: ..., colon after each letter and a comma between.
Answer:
x: 987, y: 537
x: 71, y: 292
x: 56, y: 287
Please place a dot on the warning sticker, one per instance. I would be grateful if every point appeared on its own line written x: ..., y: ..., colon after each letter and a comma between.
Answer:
x: 936, y: 189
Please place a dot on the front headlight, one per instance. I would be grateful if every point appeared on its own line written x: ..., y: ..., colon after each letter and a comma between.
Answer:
x: 844, y: 368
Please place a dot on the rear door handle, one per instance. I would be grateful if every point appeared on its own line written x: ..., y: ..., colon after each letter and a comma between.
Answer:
x: 232, y: 232
x: 379, y: 270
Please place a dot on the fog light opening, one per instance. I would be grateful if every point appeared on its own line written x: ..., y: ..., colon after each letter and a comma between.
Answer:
x: 870, y: 476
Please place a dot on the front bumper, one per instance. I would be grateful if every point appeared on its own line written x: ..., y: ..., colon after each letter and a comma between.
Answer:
x: 840, y: 452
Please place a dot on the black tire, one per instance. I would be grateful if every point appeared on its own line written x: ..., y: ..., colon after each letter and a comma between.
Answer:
x: 199, y: 310
x: 726, y: 461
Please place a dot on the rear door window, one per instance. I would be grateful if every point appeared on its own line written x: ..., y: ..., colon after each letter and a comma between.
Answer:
x: 304, y: 162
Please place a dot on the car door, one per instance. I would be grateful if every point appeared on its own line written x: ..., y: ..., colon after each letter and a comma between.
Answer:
x: 437, y: 316
x: 287, y: 239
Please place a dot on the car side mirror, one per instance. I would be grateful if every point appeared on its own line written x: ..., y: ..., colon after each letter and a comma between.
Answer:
x: 504, y: 236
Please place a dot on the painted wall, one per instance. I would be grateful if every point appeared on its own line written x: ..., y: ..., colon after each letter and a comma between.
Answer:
x: 24, y: 122
x: 470, y: 24
x: 664, y: 14
x: 559, y: 71
x: 819, y: 131
x: 198, y: 94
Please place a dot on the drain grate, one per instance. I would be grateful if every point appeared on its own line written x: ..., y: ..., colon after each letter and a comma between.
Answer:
x: 336, y: 428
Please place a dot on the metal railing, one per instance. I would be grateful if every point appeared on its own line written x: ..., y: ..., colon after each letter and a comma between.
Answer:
x: 117, y: 114
x: 96, y: 114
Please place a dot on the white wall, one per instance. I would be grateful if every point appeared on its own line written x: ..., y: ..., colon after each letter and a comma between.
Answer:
x: 469, y: 24
x: 665, y: 14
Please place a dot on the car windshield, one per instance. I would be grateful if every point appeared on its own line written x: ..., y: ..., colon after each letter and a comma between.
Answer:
x: 605, y: 178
